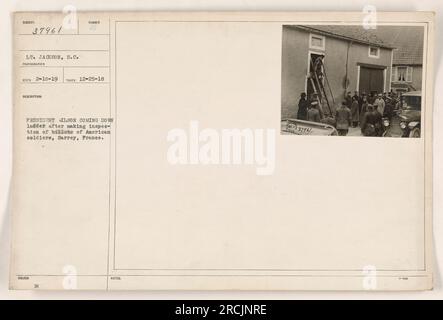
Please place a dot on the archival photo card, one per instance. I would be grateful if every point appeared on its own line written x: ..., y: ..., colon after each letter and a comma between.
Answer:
x: 187, y: 151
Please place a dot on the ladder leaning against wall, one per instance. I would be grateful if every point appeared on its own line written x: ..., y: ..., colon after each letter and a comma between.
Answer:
x: 321, y: 87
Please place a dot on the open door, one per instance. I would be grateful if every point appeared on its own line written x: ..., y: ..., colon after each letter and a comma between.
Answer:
x: 310, y: 87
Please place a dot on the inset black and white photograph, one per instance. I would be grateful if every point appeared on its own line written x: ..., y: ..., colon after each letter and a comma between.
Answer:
x: 349, y: 80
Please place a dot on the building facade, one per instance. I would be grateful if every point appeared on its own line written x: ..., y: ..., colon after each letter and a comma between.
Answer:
x: 408, y: 59
x: 353, y: 59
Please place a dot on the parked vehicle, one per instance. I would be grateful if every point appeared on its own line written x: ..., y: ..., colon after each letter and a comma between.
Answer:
x: 407, y: 121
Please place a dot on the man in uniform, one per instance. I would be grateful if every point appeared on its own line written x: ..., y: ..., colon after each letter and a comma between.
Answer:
x: 379, y: 104
x: 303, y: 105
x: 344, y: 118
x: 313, y: 112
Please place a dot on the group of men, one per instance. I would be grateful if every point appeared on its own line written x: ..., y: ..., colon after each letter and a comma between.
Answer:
x: 363, y: 110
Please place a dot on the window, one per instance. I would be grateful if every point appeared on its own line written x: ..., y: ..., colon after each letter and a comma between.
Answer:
x: 316, y: 42
x: 374, y: 52
x: 402, y: 74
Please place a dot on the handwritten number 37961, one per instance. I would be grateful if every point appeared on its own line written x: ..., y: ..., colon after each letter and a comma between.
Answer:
x: 47, y: 30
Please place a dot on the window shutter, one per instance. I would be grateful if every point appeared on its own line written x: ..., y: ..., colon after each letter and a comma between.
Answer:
x: 393, y: 74
x: 409, y: 74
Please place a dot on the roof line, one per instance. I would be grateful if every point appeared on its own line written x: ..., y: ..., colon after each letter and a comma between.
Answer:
x: 306, y: 28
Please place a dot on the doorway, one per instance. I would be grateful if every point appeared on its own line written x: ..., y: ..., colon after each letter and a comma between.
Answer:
x: 310, y: 87
x: 371, y: 79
